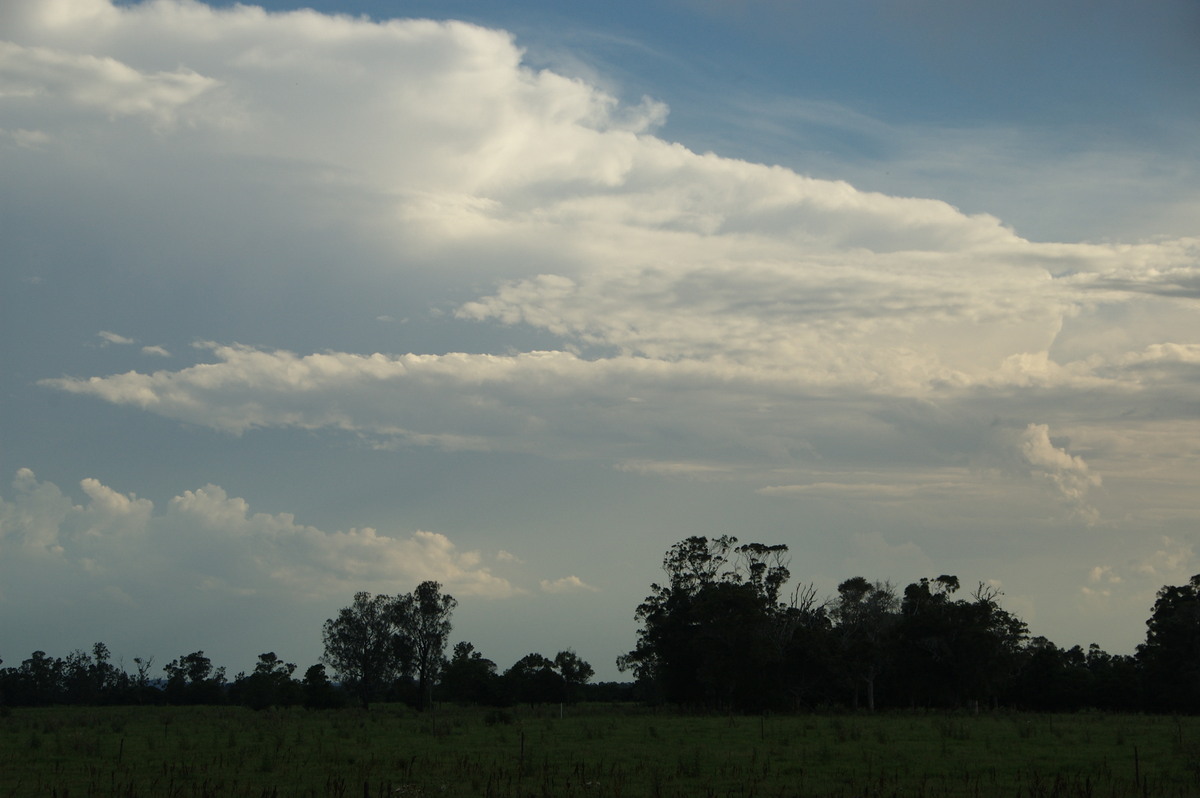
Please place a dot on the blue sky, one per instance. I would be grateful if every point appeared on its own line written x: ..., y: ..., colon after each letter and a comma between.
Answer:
x: 514, y: 296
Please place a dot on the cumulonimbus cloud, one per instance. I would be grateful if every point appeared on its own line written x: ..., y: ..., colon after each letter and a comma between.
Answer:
x: 703, y: 312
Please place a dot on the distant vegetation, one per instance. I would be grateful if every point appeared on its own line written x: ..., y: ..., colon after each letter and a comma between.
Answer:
x: 379, y: 649
x: 721, y: 633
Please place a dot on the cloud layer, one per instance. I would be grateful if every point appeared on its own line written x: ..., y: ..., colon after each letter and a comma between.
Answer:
x: 672, y: 271
x: 206, y: 540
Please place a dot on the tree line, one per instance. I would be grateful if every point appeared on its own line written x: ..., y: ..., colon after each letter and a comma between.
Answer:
x: 718, y: 634
x: 379, y: 648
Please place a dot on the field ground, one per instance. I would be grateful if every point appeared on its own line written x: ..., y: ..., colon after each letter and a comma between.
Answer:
x: 591, y: 750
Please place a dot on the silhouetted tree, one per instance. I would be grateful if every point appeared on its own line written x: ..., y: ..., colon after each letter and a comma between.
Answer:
x: 926, y: 636
x: 469, y: 677
x: 192, y: 679
x: 425, y: 621
x: 79, y: 679
x: 143, y: 691
x: 714, y: 633
x: 377, y: 640
x: 270, y: 684
x: 37, y: 682
x: 367, y: 645
x: 809, y: 666
x: 989, y: 648
x: 111, y: 683
x: 319, y: 692
x: 1170, y: 657
x: 1050, y: 679
x: 533, y: 680
x: 953, y: 652
x: 575, y: 673
x: 865, y: 616
x: 1115, y: 681
x: 537, y: 679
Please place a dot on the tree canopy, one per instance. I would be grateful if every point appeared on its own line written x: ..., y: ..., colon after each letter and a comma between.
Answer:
x: 378, y: 640
x: 365, y: 645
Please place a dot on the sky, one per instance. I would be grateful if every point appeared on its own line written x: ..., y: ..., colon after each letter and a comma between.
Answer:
x: 298, y: 302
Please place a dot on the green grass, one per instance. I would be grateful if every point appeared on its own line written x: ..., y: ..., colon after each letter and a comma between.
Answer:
x: 623, y: 752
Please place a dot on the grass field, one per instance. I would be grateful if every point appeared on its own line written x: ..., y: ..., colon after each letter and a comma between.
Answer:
x: 623, y: 752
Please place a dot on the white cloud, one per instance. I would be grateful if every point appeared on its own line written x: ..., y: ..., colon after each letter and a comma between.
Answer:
x: 1129, y: 587
x: 711, y: 317
x: 206, y: 538
x: 699, y: 471
x: 1172, y: 561
x: 113, y: 338
x: 877, y: 491
x: 567, y: 584
x: 27, y: 139
x: 97, y: 83
x: 1102, y: 581
x: 156, y: 350
x: 1069, y: 474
